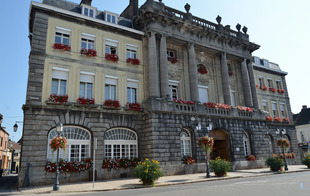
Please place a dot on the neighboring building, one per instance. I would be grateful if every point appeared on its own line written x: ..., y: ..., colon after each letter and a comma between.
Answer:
x: 4, y: 152
x: 151, y: 55
x: 302, y: 125
x: 16, y: 150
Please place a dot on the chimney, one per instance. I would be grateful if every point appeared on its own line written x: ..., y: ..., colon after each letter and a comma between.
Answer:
x: 86, y: 2
x: 304, y: 107
x: 131, y: 10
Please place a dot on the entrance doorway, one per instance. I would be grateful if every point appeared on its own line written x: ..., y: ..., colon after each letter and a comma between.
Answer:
x: 220, y: 148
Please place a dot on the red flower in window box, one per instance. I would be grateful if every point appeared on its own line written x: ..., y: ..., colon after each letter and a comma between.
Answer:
x: 217, y: 105
x: 286, y: 120
x: 256, y: 85
x: 263, y: 87
x: 182, y: 101
x: 111, y: 57
x: 188, y: 160
x: 277, y: 119
x: 82, y: 100
x: 133, y: 61
x: 134, y: 106
x: 112, y: 103
x: 243, y: 108
x: 202, y: 70
x: 282, y: 91
x: 272, y: 89
x: 269, y: 118
x: 89, y: 52
x: 172, y: 59
x: 58, y: 98
x: 70, y: 167
x: 59, y: 46
x: 230, y: 73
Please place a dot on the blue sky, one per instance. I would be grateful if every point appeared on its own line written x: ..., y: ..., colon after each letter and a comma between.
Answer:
x: 280, y: 27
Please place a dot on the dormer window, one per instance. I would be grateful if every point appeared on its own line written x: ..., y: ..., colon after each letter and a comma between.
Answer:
x: 111, y: 17
x: 88, y: 11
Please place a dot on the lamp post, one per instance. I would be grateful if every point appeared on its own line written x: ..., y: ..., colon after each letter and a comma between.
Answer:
x: 282, y: 133
x: 59, y: 128
x: 15, y: 127
x: 209, y: 128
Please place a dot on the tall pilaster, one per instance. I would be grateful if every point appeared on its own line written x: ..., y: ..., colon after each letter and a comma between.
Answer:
x: 246, y: 84
x: 152, y: 66
x: 253, y: 85
x: 192, y: 68
x: 163, y: 66
x: 225, y: 79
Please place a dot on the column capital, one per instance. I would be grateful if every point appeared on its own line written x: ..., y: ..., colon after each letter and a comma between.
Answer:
x: 150, y: 33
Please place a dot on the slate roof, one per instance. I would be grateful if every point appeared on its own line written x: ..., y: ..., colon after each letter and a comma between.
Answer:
x: 303, y: 117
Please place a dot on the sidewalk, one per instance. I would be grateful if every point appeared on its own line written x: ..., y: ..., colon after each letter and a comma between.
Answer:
x: 131, y: 183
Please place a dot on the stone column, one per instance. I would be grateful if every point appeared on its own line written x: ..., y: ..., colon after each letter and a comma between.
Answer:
x: 246, y: 84
x: 192, y: 68
x: 152, y: 65
x: 163, y: 66
x: 253, y: 85
x: 225, y: 79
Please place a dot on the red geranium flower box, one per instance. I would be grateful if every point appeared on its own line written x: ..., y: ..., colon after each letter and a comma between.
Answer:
x: 82, y: 100
x: 89, y: 52
x: 133, y: 61
x: 59, y: 46
x: 111, y: 57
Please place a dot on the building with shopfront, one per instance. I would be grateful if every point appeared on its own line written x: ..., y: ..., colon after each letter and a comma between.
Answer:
x: 176, y: 77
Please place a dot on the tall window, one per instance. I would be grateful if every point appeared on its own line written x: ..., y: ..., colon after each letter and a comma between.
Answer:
x: 59, y: 81
x: 131, y: 51
x: 185, y: 138
x: 132, y: 86
x: 265, y: 105
x: 88, y: 41
x: 270, y: 84
x: 173, y: 89
x: 282, y: 109
x: 233, y: 97
x: 270, y: 143
x: 246, y: 144
x: 274, y: 109
x: 203, y: 93
x: 111, y: 46
x: 261, y: 81
x: 78, y: 144
x: 279, y: 85
x: 120, y: 143
x: 62, y: 36
x: 110, y: 87
x: 86, y: 84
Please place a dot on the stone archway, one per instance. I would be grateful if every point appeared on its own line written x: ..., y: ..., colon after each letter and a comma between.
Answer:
x: 221, y: 144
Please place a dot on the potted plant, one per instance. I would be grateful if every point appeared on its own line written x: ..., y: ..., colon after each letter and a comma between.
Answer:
x: 274, y: 162
x: 250, y: 158
x: 220, y: 166
x: 148, y: 171
x: 306, y: 160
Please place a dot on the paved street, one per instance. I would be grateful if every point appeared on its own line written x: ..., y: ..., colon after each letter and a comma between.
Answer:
x: 8, y: 184
x: 283, y: 184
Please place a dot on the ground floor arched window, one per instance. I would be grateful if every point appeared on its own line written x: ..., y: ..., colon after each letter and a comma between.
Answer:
x: 246, y: 144
x: 78, y: 148
x: 120, y: 143
x: 185, y: 138
x: 270, y: 143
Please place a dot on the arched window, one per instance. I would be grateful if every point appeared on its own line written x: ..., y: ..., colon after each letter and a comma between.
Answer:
x: 78, y: 144
x: 186, y: 149
x: 120, y: 143
x: 246, y: 144
x: 270, y: 144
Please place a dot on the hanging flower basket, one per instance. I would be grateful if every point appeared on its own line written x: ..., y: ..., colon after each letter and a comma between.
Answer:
x: 58, y: 142
x: 206, y: 143
x: 283, y: 143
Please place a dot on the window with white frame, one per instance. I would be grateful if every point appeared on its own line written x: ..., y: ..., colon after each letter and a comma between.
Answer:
x: 203, y: 93
x: 131, y: 51
x: 274, y: 108
x: 270, y: 83
x: 171, y: 53
x: 120, y: 143
x: 246, y: 144
x: 265, y: 105
x: 86, y: 84
x: 270, y: 143
x: 279, y: 85
x: 233, y: 97
x: 88, y: 11
x: 132, y: 86
x: 173, y: 89
x: 59, y: 81
x: 261, y: 81
x: 282, y: 109
x: 185, y: 138
x: 88, y: 41
x: 62, y: 36
x: 111, y: 46
x: 111, y: 17
x: 78, y: 144
x: 110, y: 87
x: 257, y: 60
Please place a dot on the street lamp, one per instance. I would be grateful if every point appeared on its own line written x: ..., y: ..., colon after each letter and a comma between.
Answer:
x: 209, y: 128
x: 15, y: 127
x: 282, y: 133
x: 59, y: 128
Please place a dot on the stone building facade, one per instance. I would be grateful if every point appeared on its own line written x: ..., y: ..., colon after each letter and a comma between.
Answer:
x: 153, y: 55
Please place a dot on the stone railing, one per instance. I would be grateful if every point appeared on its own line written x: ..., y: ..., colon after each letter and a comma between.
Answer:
x: 217, y: 111
x: 182, y: 107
